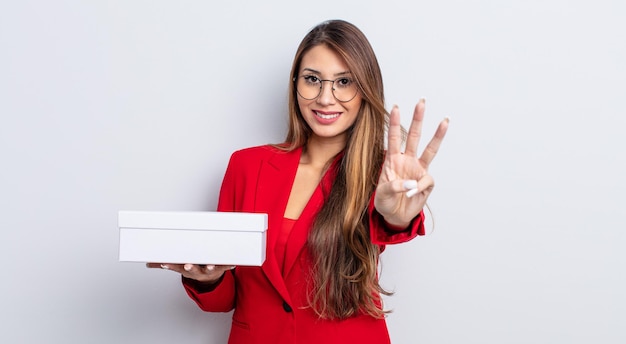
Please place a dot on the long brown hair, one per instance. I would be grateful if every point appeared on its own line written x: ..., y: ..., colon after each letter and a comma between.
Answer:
x: 345, y: 261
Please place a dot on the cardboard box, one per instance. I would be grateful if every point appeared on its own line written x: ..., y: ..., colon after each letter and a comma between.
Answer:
x: 222, y: 238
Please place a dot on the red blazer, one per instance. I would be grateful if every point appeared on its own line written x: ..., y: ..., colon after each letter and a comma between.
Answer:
x: 270, y: 308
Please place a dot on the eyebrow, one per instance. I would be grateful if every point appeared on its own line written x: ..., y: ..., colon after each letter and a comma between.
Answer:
x: 318, y: 72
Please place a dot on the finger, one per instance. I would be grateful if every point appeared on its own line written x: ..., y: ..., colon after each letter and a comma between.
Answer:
x: 397, y: 186
x: 415, y: 130
x: 225, y: 267
x: 210, y: 268
x: 167, y: 266
x: 433, y: 146
x: 411, y: 186
x: 394, y: 135
x: 426, y: 184
x: 174, y: 267
x: 215, y: 271
x: 200, y: 268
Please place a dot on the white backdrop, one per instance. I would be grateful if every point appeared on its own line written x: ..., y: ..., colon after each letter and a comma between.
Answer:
x: 111, y: 105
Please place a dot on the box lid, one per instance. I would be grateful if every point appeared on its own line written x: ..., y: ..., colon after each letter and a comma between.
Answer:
x: 193, y: 220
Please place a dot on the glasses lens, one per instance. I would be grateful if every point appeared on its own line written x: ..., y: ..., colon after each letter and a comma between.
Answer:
x: 344, y: 89
x: 309, y: 87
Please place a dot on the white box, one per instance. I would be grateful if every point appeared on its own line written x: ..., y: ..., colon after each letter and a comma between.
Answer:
x: 223, y: 238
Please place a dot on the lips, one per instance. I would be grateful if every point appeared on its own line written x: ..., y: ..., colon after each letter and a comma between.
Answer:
x: 327, y: 115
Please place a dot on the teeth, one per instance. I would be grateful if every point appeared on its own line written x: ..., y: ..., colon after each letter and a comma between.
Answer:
x: 327, y: 116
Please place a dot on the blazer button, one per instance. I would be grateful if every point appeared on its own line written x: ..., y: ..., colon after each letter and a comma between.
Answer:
x: 286, y: 307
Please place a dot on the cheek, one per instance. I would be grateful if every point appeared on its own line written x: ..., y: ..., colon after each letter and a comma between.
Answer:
x: 355, y: 107
x: 303, y: 105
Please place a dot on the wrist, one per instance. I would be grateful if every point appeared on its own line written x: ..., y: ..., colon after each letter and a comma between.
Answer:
x: 396, y: 225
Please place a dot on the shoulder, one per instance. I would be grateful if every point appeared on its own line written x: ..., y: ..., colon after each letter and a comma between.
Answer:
x: 257, y: 154
x: 256, y: 151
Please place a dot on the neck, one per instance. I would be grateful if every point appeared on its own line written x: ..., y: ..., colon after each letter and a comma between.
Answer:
x: 319, y: 152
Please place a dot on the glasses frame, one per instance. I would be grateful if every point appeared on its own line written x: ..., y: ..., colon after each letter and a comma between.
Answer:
x: 295, y: 80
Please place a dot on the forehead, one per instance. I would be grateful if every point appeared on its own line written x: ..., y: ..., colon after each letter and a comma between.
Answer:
x: 324, y: 60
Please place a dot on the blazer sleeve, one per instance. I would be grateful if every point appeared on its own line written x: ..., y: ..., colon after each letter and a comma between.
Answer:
x: 221, y: 297
x: 381, y: 233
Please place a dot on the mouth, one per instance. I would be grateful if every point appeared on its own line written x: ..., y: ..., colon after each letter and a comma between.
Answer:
x: 326, y: 115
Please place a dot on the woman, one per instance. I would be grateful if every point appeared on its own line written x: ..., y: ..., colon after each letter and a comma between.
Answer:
x: 334, y: 199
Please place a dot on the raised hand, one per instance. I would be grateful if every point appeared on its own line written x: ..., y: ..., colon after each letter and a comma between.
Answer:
x: 404, y: 184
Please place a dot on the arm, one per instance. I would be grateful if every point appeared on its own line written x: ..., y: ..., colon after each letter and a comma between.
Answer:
x: 216, y: 297
x: 219, y: 296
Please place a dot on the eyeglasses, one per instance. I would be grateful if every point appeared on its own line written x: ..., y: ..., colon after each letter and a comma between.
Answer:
x: 309, y: 87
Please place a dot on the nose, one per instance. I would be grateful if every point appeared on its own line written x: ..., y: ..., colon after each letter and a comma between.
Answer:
x: 326, y: 96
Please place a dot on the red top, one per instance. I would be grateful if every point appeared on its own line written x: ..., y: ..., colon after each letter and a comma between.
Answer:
x: 281, y: 243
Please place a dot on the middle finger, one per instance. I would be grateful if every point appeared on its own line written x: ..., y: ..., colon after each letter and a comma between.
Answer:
x: 415, y: 130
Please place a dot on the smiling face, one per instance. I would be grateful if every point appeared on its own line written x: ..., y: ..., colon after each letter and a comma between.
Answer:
x: 328, y: 118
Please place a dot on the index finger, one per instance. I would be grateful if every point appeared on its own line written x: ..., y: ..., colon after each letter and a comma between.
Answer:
x: 153, y: 265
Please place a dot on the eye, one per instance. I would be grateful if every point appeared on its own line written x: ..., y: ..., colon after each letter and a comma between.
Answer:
x: 343, y: 82
x: 311, y: 79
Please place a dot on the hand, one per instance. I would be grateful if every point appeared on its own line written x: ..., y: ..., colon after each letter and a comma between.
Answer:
x: 402, y: 172
x: 200, y: 273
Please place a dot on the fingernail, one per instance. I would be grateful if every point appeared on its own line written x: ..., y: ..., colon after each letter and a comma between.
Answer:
x: 210, y: 267
x: 409, y: 184
x: 447, y: 119
x: 188, y: 267
x: 411, y: 193
x: 163, y: 266
x: 424, y: 100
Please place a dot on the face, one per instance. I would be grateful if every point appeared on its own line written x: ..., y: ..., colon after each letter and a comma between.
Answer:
x: 328, y: 117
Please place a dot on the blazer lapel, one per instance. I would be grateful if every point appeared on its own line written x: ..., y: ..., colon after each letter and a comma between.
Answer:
x: 300, y: 232
x: 276, y: 178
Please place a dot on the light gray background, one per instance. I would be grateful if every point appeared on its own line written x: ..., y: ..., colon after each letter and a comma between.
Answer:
x: 137, y: 105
